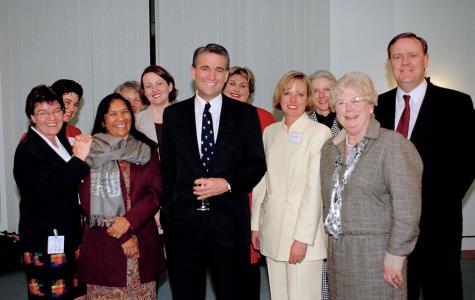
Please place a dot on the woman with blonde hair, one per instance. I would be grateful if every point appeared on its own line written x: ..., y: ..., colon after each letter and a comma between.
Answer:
x: 286, y: 215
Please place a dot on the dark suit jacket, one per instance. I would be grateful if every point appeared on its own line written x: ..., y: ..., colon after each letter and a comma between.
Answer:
x: 49, y: 193
x: 445, y: 124
x: 239, y: 158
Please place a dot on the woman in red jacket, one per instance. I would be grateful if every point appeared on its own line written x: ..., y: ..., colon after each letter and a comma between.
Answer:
x: 241, y: 86
x: 120, y: 253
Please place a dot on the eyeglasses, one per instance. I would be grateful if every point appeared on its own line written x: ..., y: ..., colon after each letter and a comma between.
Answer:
x: 352, y: 102
x: 43, y: 114
x: 116, y: 114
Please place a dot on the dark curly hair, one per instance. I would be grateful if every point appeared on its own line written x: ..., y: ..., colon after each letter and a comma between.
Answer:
x: 40, y: 94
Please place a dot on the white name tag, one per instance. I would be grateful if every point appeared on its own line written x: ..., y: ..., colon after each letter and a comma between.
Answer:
x: 295, y: 137
x: 55, y: 244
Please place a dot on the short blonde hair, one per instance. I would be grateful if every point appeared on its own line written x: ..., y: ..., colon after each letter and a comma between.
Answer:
x: 357, y: 81
x: 287, y: 80
x: 323, y: 74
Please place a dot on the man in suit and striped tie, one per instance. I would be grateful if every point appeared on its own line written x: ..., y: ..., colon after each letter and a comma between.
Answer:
x: 439, y: 122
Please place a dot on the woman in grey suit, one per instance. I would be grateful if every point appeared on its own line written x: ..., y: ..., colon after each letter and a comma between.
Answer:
x: 371, y: 190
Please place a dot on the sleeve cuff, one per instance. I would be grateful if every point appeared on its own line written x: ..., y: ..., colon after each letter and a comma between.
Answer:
x: 394, y: 261
x: 126, y: 236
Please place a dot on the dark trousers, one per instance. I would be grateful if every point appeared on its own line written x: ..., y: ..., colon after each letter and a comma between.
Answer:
x: 433, y: 269
x: 191, y: 250
x: 251, y: 287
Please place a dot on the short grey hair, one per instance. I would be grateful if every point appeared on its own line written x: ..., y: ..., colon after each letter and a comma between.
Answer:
x: 132, y: 84
x: 322, y: 74
x: 357, y: 81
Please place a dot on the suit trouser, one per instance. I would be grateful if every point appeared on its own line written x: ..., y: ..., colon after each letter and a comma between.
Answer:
x: 433, y: 268
x: 295, y: 281
x: 191, y: 250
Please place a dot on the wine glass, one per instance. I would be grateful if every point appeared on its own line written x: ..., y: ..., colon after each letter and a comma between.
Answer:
x: 204, y: 205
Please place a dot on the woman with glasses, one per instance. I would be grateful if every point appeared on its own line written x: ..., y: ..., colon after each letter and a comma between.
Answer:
x: 48, y: 172
x: 371, y: 189
x: 121, y: 256
x: 71, y: 93
x: 286, y: 219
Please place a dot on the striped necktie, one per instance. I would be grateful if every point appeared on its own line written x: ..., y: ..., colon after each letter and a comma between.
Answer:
x: 403, y: 125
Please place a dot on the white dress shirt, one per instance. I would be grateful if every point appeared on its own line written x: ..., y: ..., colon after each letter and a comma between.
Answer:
x: 417, y: 96
x: 215, y: 110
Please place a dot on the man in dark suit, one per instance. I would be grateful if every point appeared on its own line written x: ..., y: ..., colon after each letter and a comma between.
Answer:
x: 439, y: 122
x: 212, y: 158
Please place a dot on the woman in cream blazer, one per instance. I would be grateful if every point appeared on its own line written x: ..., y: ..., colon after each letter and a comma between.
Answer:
x: 286, y: 221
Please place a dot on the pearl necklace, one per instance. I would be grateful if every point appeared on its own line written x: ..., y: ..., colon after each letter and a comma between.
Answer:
x: 348, y: 144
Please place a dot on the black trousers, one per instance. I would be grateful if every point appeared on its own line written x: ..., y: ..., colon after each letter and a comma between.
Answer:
x: 433, y: 269
x: 251, y: 288
x: 192, y: 249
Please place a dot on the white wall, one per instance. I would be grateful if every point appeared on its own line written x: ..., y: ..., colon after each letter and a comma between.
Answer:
x: 270, y: 37
x: 101, y: 43
x: 97, y: 43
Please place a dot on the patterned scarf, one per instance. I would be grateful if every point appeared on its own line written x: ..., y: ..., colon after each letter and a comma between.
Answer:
x: 106, y: 194
x: 333, y: 219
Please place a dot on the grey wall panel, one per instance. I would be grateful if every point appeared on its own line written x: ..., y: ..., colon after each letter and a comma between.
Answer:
x: 97, y: 43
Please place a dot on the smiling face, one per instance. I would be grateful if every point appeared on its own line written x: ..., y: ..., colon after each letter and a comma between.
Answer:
x: 48, y: 119
x: 133, y: 97
x: 353, y: 114
x: 71, y: 105
x: 118, y: 119
x: 209, y: 74
x: 156, y: 89
x: 321, y: 87
x: 237, y: 87
x: 294, y: 101
x: 408, y: 63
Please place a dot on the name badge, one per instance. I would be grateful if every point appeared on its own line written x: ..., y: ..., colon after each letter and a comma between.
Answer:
x: 295, y: 137
x: 55, y: 244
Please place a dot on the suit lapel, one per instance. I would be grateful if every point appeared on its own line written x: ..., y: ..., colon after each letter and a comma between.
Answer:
x: 423, y: 118
x: 189, y: 133
x: 296, y: 153
x: 387, y: 111
x: 42, y: 146
x: 149, y: 125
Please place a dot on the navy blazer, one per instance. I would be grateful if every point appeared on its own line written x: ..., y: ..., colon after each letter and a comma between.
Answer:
x: 445, y: 124
x: 49, y: 193
x: 239, y: 158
